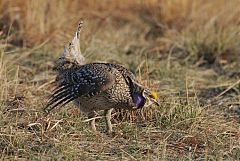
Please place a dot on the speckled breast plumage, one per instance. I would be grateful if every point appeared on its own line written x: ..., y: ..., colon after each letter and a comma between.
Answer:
x: 117, y: 96
x: 93, y: 87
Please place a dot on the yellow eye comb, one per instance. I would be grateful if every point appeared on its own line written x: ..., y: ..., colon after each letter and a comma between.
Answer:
x: 154, y: 95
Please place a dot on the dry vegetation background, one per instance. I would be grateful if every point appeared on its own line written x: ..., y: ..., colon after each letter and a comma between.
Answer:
x: 186, y: 50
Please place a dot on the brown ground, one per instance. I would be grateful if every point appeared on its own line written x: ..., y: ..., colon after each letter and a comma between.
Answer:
x: 188, y: 51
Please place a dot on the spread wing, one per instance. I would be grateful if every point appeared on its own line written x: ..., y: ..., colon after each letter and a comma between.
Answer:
x: 87, y: 80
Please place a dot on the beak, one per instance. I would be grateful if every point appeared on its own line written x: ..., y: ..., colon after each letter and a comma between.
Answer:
x: 152, y: 97
x: 154, y: 101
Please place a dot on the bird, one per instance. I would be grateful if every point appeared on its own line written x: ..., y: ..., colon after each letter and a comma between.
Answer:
x: 98, y: 86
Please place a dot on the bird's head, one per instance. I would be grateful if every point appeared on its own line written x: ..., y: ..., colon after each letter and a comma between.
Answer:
x: 145, y: 98
x: 141, y: 95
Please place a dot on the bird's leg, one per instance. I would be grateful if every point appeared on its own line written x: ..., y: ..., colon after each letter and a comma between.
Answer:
x: 91, y: 115
x: 107, y: 114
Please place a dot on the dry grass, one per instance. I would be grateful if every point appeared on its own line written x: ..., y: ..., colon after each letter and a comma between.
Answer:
x: 166, y: 43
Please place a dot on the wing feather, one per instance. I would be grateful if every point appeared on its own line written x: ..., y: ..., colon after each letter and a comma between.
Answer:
x: 87, y: 80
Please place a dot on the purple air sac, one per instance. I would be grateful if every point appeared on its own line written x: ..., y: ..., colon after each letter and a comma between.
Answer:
x: 138, y: 100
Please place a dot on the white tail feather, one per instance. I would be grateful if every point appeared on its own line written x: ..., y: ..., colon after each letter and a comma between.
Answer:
x: 73, y: 49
